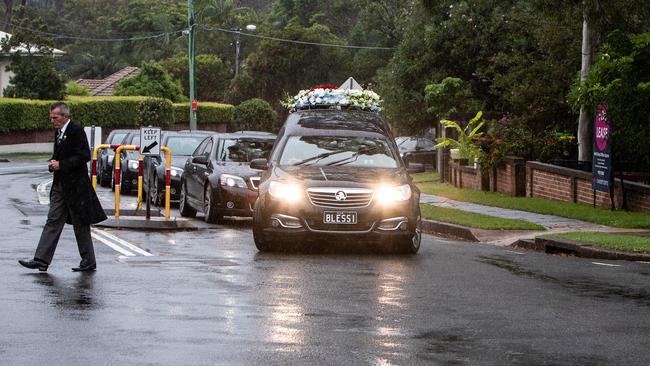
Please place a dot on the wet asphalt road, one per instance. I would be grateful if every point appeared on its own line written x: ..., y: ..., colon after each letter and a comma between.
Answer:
x: 208, y: 297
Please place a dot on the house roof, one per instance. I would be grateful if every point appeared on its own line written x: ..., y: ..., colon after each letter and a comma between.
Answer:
x: 34, y: 50
x: 106, y: 86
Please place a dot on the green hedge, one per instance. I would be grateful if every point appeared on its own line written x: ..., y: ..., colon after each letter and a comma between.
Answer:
x: 110, y: 112
x: 208, y: 112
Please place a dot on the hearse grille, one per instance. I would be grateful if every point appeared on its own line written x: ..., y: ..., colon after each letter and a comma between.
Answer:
x: 340, y: 197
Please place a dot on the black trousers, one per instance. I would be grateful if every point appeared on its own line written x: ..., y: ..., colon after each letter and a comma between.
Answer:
x: 56, y: 218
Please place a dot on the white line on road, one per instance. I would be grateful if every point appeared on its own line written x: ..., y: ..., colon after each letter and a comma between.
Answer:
x: 643, y: 262
x: 20, y: 168
x: 128, y: 246
x: 43, y: 192
x: 113, y: 246
x: 606, y: 264
x: 512, y: 251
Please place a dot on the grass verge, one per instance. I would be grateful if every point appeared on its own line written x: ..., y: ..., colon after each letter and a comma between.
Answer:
x: 425, y: 177
x: 625, y: 242
x: 475, y: 220
x: 538, y: 205
x: 26, y: 156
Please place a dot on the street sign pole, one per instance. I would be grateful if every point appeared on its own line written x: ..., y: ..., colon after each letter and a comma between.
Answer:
x: 190, y: 23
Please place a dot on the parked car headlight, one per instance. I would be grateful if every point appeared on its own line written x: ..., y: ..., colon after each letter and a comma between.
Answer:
x: 175, y: 172
x: 392, y: 194
x: 232, y: 181
x: 133, y: 164
x: 285, y: 191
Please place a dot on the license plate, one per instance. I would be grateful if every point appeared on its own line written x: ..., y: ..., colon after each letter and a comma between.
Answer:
x: 339, y: 217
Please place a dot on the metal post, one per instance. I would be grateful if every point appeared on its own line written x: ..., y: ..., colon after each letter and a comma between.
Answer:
x: 440, y: 163
x: 190, y: 24
x: 237, y: 34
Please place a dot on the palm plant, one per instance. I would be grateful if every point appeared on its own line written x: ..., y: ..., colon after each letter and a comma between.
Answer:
x: 467, y: 147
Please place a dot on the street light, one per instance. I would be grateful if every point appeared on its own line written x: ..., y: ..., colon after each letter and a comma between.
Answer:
x: 251, y: 28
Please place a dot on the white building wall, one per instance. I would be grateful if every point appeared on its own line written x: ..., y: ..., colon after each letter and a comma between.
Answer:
x: 4, y: 76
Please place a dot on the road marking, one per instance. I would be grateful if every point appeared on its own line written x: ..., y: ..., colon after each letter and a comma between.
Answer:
x: 20, y: 168
x: 643, y: 262
x: 512, y: 251
x: 606, y: 264
x: 128, y: 247
x: 113, y: 246
x: 43, y: 192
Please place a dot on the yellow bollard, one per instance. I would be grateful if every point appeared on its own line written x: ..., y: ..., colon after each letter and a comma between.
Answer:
x: 168, y: 179
x: 118, y: 176
x: 93, y: 179
x: 139, y: 206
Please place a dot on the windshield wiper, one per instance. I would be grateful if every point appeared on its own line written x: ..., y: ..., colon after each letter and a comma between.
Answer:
x: 353, y: 157
x: 318, y: 157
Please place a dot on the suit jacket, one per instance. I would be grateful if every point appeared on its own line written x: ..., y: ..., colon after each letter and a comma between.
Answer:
x: 73, y: 152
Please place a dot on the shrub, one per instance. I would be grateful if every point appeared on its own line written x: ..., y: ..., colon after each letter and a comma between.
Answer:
x: 154, y: 112
x: 73, y: 88
x: 256, y: 114
x: 108, y: 112
x: 208, y: 112
x: 152, y: 81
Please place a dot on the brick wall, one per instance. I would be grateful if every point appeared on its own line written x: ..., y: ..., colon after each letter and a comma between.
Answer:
x: 507, y: 179
x: 563, y: 184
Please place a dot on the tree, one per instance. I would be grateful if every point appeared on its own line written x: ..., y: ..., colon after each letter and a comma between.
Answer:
x: 152, y: 81
x: 212, y: 75
x: 32, y: 63
x: 277, y: 68
x: 620, y: 77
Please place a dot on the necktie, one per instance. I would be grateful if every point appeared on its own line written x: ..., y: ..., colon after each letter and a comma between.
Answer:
x: 60, y: 137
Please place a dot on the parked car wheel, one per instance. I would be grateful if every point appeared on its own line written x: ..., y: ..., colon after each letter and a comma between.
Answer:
x: 183, y: 206
x: 211, y: 214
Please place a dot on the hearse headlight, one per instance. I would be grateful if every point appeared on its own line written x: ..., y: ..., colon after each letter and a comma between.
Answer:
x: 232, y: 181
x: 393, y: 194
x: 285, y: 191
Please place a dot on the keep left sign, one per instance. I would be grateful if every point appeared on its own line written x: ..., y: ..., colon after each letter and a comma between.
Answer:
x: 150, y: 140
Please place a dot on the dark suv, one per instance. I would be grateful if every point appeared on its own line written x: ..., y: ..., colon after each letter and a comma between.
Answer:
x: 336, y: 176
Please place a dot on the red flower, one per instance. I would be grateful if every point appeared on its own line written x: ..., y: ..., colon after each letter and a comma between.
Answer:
x: 323, y: 86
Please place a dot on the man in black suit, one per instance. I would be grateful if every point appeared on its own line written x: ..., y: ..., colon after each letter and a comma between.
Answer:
x: 72, y: 198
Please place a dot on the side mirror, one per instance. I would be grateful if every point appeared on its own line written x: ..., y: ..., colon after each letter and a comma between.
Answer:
x: 259, y: 164
x: 200, y: 159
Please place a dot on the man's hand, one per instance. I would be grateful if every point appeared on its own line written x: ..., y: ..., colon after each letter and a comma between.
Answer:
x: 53, y: 165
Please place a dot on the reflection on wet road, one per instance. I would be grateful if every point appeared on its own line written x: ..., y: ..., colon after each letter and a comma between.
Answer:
x: 208, y: 297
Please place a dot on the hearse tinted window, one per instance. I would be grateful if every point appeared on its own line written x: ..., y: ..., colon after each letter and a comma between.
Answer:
x: 338, y: 151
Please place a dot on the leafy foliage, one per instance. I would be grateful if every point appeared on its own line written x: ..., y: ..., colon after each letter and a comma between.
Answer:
x: 32, y: 63
x: 73, y: 88
x: 154, y: 112
x: 211, y: 75
x: 153, y: 81
x: 208, y: 113
x: 621, y: 78
x: 465, y: 143
x: 256, y: 114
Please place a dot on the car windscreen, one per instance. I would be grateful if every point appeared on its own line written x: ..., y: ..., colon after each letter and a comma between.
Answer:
x: 338, y: 151
x: 117, y: 138
x: 406, y: 143
x: 243, y: 150
x: 183, y: 145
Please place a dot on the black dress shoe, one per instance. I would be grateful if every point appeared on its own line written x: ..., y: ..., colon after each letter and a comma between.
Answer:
x: 34, y: 264
x: 88, y: 268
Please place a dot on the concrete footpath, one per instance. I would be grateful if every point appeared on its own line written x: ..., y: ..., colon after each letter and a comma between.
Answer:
x: 527, y: 239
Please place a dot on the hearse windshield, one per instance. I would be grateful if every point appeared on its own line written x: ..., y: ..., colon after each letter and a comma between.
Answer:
x: 338, y: 151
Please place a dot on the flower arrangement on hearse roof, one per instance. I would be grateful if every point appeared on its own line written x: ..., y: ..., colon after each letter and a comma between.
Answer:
x: 331, y: 96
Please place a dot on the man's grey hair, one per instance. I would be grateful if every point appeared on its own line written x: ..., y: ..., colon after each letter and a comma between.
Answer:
x: 63, y: 108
